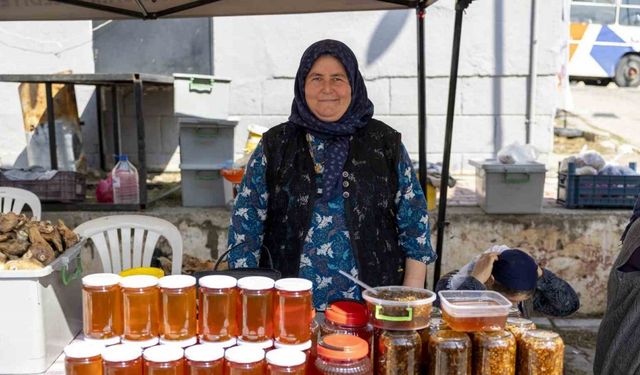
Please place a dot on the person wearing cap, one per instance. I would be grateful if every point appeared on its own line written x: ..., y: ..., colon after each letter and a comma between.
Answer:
x: 516, y: 275
x: 332, y: 189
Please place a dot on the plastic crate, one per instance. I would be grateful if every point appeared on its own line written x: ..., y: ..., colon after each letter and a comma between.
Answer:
x: 204, y: 187
x: 206, y: 140
x: 201, y: 96
x: 65, y: 186
x: 597, y: 191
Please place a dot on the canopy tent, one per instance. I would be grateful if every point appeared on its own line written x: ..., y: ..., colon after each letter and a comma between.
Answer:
x: 59, y: 10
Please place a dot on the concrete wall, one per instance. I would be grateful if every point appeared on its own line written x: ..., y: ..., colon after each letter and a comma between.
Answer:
x: 261, y: 55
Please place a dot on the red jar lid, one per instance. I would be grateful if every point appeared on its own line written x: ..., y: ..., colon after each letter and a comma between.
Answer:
x: 342, y: 347
x: 348, y: 313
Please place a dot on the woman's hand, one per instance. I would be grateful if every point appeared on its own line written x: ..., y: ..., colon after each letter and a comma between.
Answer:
x: 484, y: 266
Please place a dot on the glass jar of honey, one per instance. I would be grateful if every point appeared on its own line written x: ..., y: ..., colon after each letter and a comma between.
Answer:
x: 340, y: 354
x: 141, y: 307
x: 293, y: 312
x: 256, y: 301
x: 449, y: 353
x: 179, y: 320
x: 83, y: 358
x: 123, y: 359
x: 264, y: 345
x: 163, y: 360
x: 542, y: 353
x: 494, y: 353
x: 218, y: 302
x: 204, y: 359
x: 222, y: 344
x: 398, y: 352
x: 102, y: 308
x: 286, y: 362
x: 306, y: 348
x: 244, y: 360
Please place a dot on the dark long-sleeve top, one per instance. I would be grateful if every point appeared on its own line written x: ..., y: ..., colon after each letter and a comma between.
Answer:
x: 553, y: 296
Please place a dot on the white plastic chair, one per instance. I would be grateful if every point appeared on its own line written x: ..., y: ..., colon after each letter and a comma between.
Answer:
x: 14, y: 199
x: 111, y: 236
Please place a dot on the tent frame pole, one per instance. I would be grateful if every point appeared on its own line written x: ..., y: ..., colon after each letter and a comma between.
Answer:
x: 422, y: 102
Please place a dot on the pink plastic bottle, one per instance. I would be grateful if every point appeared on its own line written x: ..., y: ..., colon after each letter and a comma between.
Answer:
x: 124, y: 178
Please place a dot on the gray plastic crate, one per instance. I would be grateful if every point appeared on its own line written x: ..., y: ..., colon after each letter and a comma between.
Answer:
x: 202, y: 187
x: 206, y: 140
x: 509, y: 188
x: 201, y: 96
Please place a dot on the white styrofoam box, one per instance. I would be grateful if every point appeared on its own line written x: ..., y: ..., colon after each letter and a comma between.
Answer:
x: 202, y: 187
x: 206, y: 140
x: 201, y: 96
x: 41, y: 314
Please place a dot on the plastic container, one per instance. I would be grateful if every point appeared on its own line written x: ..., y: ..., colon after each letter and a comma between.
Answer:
x: 201, y: 96
x: 83, y: 358
x: 150, y: 271
x: 542, y: 353
x: 45, y: 314
x: 343, y: 354
x: 244, y: 360
x: 293, y: 311
x: 164, y: 360
x: 474, y: 310
x: 218, y: 302
x: 398, y: 352
x: 202, y: 186
x: 124, y: 179
x: 141, y: 306
x: 256, y: 303
x: 347, y: 317
x: 399, y: 308
x: 64, y: 186
x: 450, y: 353
x: 494, y: 353
x: 286, y: 362
x: 509, y: 188
x: 204, y: 360
x: 206, y: 141
x: 124, y: 359
x: 179, y: 311
x: 102, y: 307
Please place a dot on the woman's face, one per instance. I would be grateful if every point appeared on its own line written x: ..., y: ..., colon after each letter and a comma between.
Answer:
x: 327, y: 90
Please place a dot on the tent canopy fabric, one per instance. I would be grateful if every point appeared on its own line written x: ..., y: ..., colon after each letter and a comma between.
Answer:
x: 50, y: 10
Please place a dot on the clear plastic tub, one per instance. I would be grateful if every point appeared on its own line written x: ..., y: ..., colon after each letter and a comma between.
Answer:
x: 218, y: 304
x: 399, y: 308
x: 542, y: 353
x: 124, y: 359
x: 494, y: 353
x: 474, y: 310
x: 204, y: 359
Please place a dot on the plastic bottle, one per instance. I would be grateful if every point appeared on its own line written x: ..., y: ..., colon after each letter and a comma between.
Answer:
x: 124, y: 178
x: 343, y: 354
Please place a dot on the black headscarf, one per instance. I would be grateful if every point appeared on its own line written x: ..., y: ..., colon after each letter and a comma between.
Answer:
x: 516, y: 270
x: 634, y: 217
x: 336, y: 134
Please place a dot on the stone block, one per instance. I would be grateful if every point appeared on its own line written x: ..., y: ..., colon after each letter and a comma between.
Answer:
x: 378, y: 92
x: 277, y: 96
x: 245, y: 98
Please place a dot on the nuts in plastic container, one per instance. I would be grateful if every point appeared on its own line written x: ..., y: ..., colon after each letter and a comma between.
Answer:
x: 542, y: 353
x: 449, y: 353
x: 494, y: 353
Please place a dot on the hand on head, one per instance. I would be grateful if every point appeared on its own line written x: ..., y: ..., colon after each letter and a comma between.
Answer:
x: 484, y: 266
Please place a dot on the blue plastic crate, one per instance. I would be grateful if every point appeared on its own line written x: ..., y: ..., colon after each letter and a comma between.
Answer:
x: 597, y: 191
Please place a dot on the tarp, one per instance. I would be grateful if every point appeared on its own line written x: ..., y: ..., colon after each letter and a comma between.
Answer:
x: 45, y: 10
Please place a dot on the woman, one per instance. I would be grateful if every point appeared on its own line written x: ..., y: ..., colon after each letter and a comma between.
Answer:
x: 618, y: 346
x: 332, y: 189
x: 516, y: 275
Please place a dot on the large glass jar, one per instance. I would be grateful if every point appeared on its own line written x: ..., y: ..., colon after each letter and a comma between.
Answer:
x: 124, y: 359
x: 286, y: 362
x: 218, y: 301
x: 340, y: 354
x: 398, y: 352
x: 519, y: 326
x: 435, y: 325
x: 244, y: 360
x: 542, y: 353
x: 204, y: 359
x: 293, y: 310
x: 307, y: 348
x: 179, y: 318
x: 449, y: 353
x: 102, y: 307
x: 141, y: 306
x: 83, y: 358
x: 256, y: 301
x: 494, y: 353
x: 347, y: 317
x: 164, y: 360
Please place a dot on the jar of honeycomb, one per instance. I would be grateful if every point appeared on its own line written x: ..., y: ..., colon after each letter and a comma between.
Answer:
x: 542, y: 353
x: 494, y: 353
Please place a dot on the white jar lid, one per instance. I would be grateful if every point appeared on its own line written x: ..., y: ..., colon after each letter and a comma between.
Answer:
x: 181, y: 343
x: 142, y: 343
x: 257, y: 344
x: 294, y: 284
x: 256, y: 283
x: 244, y: 354
x: 138, y: 281
x: 177, y: 281
x: 218, y: 282
x: 104, y: 342
x: 163, y: 353
x: 299, y: 347
x: 101, y: 279
x: 204, y: 353
x: 223, y: 344
x: 121, y: 353
x: 286, y: 357
x: 83, y: 349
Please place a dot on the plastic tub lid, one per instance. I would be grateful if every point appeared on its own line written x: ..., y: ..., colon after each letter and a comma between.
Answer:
x: 473, y: 303
x: 163, y: 353
x: 121, y: 353
x: 138, y: 281
x: 257, y: 344
x: 343, y: 347
x: 177, y: 281
x: 218, y: 282
x: 286, y: 357
x: 204, y: 353
x: 349, y: 313
x: 150, y: 271
x: 223, y: 344
x: 244, y: 354
x: 83, y: 349
x: 427, y: 299
x: 256, y: 283
x: 299, y: 347
x: 101, y: 279
x: 181, y: 343
x: 294, y: 284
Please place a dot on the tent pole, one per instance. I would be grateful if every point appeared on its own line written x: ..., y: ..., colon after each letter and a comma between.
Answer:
x: 422, y: 105
x: 461, y: 5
